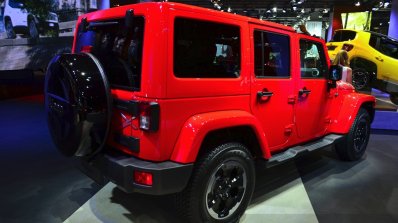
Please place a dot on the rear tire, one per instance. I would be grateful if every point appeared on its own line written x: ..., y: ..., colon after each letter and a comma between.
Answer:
x: 10, y: 30
x: 354, y: 145
x: 221, y: 186
x: 394, y: 98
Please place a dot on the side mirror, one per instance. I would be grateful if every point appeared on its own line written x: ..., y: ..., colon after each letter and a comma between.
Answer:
x: 335, y: 72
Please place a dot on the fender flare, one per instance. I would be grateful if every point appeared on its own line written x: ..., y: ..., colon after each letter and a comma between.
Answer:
x: 350, y: 105
x: 198, y: 126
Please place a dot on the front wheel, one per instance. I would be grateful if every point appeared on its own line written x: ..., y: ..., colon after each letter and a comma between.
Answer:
x: 394, y: 98
x: 221, y: 186
x: 354, y: 145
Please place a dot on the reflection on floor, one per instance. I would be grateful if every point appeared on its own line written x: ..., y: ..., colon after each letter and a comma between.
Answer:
x: 383, y: 101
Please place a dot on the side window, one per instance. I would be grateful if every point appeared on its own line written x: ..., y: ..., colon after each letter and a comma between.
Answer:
x: 373, y: 41
x: 389, y: 48
x: 271, y: 55
x: 312, y: 60
x: 206, y: 50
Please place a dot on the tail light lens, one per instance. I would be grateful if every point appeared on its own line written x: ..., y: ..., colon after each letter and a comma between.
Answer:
x: 348, y: 47
x: 148, y: 113
x: 149, y: 116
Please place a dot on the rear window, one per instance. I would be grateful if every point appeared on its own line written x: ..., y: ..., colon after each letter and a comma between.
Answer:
x: 205, y: 49
x: 118, y: 48
x: 343, y: 35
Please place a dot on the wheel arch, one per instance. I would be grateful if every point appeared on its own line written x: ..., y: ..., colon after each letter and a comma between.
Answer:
x: 202, y: 131
x: 351, y: 103
x: 364, y: 63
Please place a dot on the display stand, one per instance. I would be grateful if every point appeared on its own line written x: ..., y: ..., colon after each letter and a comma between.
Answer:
x: 288, y: 203
x: 386, y: 117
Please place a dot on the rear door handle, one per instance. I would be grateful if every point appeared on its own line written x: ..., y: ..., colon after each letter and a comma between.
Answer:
x: 304, y: 91
x: 264, y: 95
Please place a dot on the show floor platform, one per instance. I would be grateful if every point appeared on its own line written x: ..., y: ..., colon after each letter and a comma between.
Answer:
x: 40, y: 185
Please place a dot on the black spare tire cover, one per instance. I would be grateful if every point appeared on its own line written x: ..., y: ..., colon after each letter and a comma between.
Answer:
x: 78, y: 104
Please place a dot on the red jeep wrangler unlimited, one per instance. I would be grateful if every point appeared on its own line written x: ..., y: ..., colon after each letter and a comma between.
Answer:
x: 165, y: 98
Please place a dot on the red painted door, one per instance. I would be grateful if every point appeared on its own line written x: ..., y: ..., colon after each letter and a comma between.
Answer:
x: 313, y: 101
x: 272, y: 84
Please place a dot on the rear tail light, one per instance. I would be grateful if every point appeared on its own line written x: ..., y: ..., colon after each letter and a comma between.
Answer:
x: 148, y: 113
x: 348, y: 47
x: 149, y: 116
x: 143, y: 178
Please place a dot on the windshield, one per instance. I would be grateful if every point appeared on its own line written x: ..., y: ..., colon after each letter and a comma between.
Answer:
x: 343, y: 35
x: 118, y: 48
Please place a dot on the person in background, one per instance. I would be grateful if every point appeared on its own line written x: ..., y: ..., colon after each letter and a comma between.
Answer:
x: 343, y: 60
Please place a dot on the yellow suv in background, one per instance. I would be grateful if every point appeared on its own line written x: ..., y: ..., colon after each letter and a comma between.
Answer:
x: 373, y: 59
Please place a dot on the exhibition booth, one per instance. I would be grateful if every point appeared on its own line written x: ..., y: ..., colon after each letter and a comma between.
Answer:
x: 138, y: 80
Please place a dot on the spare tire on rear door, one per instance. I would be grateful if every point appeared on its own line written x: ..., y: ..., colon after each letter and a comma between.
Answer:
x: 78, y: 104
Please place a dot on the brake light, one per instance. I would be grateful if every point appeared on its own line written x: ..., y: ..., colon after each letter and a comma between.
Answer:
x: 143, y: 178
x: 348, y: 47
x: 149, y: 116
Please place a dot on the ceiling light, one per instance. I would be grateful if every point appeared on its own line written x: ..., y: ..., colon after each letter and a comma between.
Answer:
x: 358, y: 3
x: 294, y: 8
x: 325, y: 11
x: 284, y: 11
x: 274, y: 9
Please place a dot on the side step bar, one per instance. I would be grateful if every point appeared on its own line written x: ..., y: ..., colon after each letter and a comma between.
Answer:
x: 297, y: 150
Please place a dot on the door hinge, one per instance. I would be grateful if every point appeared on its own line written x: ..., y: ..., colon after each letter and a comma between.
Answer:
x: 289, y: 129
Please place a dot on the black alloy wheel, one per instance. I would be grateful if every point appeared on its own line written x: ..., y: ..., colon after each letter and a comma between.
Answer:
x: 354, y: 145
x: 360, y: 78
x: 221, y: 185
x: 78, y: 104
x: 226, y: 189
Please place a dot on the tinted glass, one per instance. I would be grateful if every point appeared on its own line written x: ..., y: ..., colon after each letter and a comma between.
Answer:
x: 271, y: 55
x: 206, y: 49
x: 343, y: 35
x: 312, y: 60
x: 389, y: 48
x: 373, y: 41
x: 119, y: 49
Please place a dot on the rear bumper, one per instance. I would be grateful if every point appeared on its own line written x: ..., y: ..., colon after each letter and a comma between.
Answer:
x: 168, y: 177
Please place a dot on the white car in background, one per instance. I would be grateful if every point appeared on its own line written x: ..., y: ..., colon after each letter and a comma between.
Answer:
x: 19, y: 21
